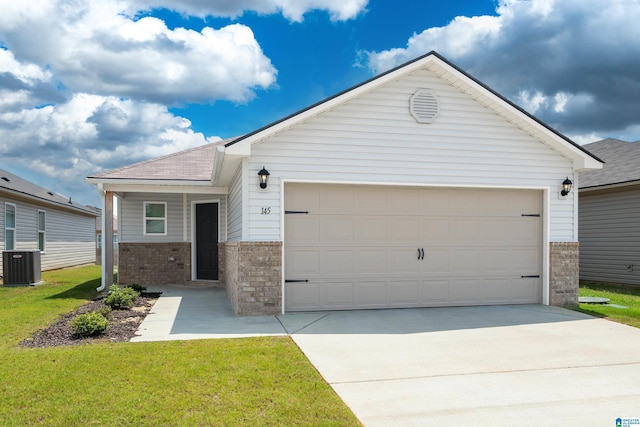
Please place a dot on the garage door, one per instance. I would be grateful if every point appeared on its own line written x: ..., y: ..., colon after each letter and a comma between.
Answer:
x: 360, y: 247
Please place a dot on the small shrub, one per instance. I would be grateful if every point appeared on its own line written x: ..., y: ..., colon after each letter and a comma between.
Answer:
x: 90, y: 324
x: 137, y: 288
x: 120, y: 299
x: 104, y: 311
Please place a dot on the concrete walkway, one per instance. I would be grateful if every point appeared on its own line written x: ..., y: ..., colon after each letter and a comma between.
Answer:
x: 525, y: 365
x: 183, y: 313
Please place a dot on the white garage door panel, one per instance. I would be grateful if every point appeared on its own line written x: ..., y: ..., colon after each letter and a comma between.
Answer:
x: 358, y: 247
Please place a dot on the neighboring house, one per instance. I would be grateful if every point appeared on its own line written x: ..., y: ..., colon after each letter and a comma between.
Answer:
x: 420, y: 187
x: 610, y: 214
x: 32, y: 217
x: 99, y: 240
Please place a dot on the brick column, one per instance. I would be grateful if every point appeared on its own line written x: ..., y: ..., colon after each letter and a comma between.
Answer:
x: 564, y: 273
x: 253, y: 277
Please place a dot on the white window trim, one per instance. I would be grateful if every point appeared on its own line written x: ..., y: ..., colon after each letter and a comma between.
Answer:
x: 43, y: 231
x: 15, y: 220
x: 144, y: 218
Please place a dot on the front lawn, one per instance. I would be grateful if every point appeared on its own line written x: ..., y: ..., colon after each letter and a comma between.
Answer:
x: 252, y: 381
x: 619, y: 295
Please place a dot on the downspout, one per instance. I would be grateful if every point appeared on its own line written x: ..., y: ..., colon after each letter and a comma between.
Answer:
x: 107, y: 240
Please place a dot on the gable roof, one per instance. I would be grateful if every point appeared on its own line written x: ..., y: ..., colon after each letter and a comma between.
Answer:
x: 455, y: 76
x: 622, y: 163
x: 194, y: 164
x: 16, y: 187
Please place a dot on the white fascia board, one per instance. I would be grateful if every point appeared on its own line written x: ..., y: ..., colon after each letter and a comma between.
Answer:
x: 217, y: 163
x: 588, y: 164
x: 120, y: 187
x: 130, y: 181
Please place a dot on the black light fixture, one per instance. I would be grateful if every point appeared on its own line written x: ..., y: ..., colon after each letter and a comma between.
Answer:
x: 264, y: 177
x: 566, y: 187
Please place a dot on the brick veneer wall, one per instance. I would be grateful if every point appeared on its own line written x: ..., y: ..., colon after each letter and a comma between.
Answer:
x: 148, y: 263
x: 253, y: 277
x: 564, y: 273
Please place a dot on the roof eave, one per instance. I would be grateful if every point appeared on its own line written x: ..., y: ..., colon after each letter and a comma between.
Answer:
x: 582, y: 159
x: 134, y: 181
x: 612, y: 185
x: 54, y: 203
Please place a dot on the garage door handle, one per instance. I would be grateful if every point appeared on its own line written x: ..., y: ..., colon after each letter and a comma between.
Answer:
x: 420, y: 253
x: 297, y: 281
x: 530, y: 277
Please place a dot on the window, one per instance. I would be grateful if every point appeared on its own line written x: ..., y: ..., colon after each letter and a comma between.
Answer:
x: 42, y: 219
x: 99, y: 241
x: 155, y: 218
x: 9, y: 226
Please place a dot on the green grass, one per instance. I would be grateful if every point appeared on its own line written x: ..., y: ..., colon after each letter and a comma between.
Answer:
x: 251, y: 381
x: 624, y: 295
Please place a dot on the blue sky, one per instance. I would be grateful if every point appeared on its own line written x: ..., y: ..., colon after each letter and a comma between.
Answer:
x: 318, y: 57
x: 91, y: 86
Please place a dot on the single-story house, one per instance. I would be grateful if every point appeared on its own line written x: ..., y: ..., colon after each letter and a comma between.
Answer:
x: 32, y: 218
x: 420, y: 187
x: 610, y: 214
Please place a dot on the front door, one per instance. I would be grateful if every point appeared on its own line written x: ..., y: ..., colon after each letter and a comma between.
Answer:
x: 207, y: 241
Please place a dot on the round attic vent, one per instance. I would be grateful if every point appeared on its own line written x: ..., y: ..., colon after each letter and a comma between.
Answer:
x: 424, y: 106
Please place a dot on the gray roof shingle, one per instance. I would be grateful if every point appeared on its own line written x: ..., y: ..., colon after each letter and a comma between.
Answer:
x: 194, y: 164
x: 622, y: 163
x: 11, y: 184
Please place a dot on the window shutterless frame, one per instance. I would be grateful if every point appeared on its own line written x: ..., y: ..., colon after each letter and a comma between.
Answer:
x: 9, y: 226
x: 42, y: 230
x: 155, y: 218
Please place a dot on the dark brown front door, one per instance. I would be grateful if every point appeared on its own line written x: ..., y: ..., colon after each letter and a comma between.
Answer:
x: 207, y: 241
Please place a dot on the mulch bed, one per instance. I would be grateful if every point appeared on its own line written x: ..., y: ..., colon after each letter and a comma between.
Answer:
x: 123, y: 324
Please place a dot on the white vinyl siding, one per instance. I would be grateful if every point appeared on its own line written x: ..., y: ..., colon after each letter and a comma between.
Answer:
x: 610, y: 236
x: 374, y: 139
x: 70, y: 237
x: 131, y: 217
x: 235, y: 207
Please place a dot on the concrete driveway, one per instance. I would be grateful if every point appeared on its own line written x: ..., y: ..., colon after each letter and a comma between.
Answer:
x: 526, y: 365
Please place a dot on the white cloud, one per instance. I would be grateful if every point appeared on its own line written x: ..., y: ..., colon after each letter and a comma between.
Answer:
x: 575, y: 64
x: 294, y: 10
x: 94, y: 48
x: 90, y: 133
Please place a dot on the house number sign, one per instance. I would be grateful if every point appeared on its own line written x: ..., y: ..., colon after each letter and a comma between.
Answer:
x: 266, y: 211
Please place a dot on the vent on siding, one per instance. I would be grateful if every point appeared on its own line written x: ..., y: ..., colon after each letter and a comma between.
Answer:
x: 424, y: 106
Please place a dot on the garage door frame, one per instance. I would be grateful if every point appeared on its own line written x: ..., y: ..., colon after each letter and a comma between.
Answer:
x: 545, y: 219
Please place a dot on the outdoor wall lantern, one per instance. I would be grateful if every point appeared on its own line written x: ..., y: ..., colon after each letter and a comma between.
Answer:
x: 264, y: 177
x: 566, y: 187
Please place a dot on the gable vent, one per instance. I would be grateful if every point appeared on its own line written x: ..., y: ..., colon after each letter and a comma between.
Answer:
x: 424, y: 106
